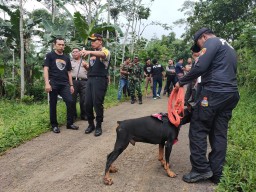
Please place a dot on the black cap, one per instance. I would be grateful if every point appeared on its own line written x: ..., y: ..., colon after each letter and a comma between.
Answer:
x: 200, y: 32
x: 195, y: 48
x: 197, y: 35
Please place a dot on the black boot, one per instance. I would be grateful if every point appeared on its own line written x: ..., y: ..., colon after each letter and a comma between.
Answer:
x: 132, y: 100
x: 90, y: 128
x: 140, y: 100
x: 98, y: 129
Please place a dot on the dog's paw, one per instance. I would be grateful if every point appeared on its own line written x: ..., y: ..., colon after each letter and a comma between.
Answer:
x: 171, y: 174
x: 108, y: 181
x: 113, y: 169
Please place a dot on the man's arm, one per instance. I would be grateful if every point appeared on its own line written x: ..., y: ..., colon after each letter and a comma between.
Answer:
x: 85, y: 65
x: 100, y: 54
x: 48, y: 87
x: 70, y: 80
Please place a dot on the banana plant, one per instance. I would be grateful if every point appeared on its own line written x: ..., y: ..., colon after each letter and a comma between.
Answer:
x: 84, y: 29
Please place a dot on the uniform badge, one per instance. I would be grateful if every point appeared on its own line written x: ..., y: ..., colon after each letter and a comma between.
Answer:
x: 203, y: 51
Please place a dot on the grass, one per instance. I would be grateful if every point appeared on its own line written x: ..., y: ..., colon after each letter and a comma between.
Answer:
x: 20, y: 122
x: 240, y: 170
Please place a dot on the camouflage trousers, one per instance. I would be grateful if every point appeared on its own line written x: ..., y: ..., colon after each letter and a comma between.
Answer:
x: 135, y: 86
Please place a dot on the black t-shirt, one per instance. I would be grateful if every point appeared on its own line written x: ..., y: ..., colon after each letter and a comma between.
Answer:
x: 217, y: 64
x: 157, y: 70
x: 148, y: 69
x: 59, y: 65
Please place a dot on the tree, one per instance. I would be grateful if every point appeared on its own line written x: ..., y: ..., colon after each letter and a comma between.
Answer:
x: 22, y: 81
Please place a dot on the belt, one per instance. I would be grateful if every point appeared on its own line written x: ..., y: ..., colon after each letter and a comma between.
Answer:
x: 79, y: 79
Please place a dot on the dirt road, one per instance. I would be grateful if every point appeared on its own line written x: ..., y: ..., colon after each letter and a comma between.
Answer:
x: 73, y: 161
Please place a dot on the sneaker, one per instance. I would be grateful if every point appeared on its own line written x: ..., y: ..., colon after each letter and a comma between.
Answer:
x: 194, y: 176
x: 158, y: 96
x: 154, y: 98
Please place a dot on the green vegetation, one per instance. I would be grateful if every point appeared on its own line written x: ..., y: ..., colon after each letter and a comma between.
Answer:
x: 240, y: 169
x: 20, y: 122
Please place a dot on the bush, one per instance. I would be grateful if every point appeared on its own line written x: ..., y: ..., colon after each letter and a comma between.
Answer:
x: 28, y: 99
x: 37, y: 91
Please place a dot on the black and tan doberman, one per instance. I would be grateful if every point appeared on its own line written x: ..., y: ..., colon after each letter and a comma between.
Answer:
x: 147, y: 130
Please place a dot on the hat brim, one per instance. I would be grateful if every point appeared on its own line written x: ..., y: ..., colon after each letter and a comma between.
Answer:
x: 92, y: 38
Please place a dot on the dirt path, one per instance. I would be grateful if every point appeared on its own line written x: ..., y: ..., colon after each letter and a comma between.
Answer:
x: 73, y: 161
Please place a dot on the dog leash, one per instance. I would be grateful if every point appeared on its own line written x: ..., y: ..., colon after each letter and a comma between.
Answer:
x: 176, y: 106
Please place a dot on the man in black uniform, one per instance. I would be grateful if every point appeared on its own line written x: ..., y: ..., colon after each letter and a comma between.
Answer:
x: 97, y: 83
x: 58, y: 81
x: 217, y: 66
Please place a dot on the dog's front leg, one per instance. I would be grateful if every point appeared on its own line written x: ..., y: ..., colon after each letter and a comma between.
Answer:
x: 113, y: 169
x: 168, y: 150
x: 161, y: 154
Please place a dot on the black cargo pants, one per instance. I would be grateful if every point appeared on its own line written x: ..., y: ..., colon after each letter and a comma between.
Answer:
x: 94, y: 97
x: 211, y: 121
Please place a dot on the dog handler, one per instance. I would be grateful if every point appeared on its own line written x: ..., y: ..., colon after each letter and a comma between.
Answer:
x: 217, y: 65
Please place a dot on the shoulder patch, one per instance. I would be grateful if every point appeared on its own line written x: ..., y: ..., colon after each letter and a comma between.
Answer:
x: 203, y: 51
x: 105, y: 51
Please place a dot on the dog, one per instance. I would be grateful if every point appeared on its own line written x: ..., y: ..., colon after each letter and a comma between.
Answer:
x: 147, y: 130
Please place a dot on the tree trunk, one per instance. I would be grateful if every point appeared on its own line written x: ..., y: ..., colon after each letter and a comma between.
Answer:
x: 22, y: 82
x: 125, y: 39
x: 108, y: 22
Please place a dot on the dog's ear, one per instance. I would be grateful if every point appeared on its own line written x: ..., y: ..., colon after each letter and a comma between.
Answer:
x: 187, y: 117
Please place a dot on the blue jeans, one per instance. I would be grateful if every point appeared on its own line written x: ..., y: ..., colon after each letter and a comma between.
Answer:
x: 155, y: 81
x: 122, y: 83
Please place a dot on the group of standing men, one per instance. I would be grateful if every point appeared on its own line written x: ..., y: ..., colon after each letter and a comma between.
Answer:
x: 68, y: 78
x: 132, y: 74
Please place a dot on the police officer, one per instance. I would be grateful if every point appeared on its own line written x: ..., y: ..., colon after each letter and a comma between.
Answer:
x: 79, y: 75
x: 135, y: 77
x: 217, y: 66
x: 97, y: 83
x: 58, y: 81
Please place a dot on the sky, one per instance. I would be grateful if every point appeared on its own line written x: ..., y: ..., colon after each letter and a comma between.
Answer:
x: 163, y: 11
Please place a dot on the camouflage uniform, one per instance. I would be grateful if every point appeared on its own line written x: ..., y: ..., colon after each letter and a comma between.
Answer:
x: 135, y: 77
